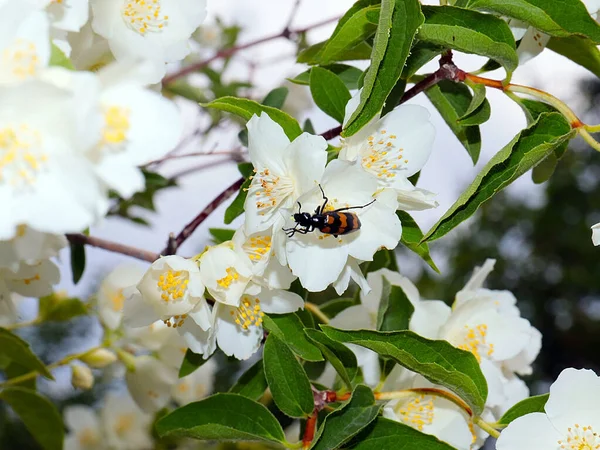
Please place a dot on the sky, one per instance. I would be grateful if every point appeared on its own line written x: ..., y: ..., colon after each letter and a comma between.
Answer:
x: 447, y: 173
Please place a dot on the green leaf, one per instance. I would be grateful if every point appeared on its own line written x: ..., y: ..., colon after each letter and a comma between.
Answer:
x: 412, y: 237
x: 359, y: 52
x: 388, y: 434
x: 221, y: 235
x: 560, y: 18
x: 276, y: 98
x: 470, y: 32
x: 236, y: 208
x: 17, y: 350
x: 346, y: 422
x: 348, y: 74
x: 438, y: 361
x: 479, y: 116
x: 452, y: 100
x: 341, y: 357
x: 359, y: 23
x: 287, y: 379
x: 64, y: 310
x: 545, y: 169
x: 527, y: 149
x: 252, y: 383
x: 420, y: 54
x: 58, y: 58
x: 14, y: 370
x: 225, y: 417
x: 398, y: 24
x: 191, y: 362
x: 329, y: 92
x: 476, y: 106
x: 395, y: 309
x: 382, y: 259
x: 38, y: 414
x: 77, y: 260
x: 579, y: 50
x: 247, y: 108
x: 290, y: 329
x: 527, y: 406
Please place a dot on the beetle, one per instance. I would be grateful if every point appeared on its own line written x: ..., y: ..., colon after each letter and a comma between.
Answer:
x: 336, y: 222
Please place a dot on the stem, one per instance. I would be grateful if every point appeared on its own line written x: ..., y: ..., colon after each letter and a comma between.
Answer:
x: 316, y: 311
x: 187, y: 231
x: 551, y: 100
x: 233, y: 153
x: 486, y: 427
x: 66, y: 360
x: 115, y: 247
x: 309, y: 430
x: 16, y: 326
x: 425, y: 391
x: 226, y: 53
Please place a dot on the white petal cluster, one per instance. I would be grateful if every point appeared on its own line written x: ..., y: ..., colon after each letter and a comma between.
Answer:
x: 67, y: 137
x: 485, y: 322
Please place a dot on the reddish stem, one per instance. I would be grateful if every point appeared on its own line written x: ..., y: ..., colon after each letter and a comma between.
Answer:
x: 309, y: 430
x: 174, y: 243
x: 115, y: 247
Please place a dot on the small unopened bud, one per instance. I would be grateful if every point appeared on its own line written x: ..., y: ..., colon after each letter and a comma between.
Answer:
x: 81, y: 377
x: 127, y: 359
x: 99, y: 358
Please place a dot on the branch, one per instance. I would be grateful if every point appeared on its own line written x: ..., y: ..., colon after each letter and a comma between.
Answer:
x: 447, y: 71
x: 226, y: 53
x: 174, y: 243
x: 115, y: 247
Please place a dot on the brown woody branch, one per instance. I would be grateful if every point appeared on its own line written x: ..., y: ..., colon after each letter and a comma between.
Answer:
x: 114, y: 247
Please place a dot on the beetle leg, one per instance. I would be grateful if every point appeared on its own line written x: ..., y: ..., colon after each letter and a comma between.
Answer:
x: 320, y: 209
x: 356, y: 207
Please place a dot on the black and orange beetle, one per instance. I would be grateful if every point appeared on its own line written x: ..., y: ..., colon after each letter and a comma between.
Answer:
x: 336, y: 222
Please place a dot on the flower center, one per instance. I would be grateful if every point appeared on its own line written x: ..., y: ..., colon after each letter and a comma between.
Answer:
x: 257, y: 247
x: 88, y: 438
x: 232, y: 276
x: 382, y: 157
x: 580, y: 438
x: 124, y: 423
x: 271, y: 189
x: 116, y: 127
x: 248, y: 314
x: 173, y: 285
x: 21, y: 157
x: 21, y: 59
x: 118, y: 300
x: 144, y: 16
x: 176, y: 321
x: 474, y: 341
x: 417, y: 412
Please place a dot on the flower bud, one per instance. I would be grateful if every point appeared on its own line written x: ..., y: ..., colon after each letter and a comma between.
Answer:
x: 99, y: 358
x: 82, y: 377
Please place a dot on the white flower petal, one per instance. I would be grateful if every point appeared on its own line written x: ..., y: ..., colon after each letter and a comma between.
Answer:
x: 305, y: 159
x: 596, y: 234
x: 532, y: 431
x: 277, y: 301
x: 428, y: 318
x: 232, y: 340
x: 267, y: 143
x: 150, y: 383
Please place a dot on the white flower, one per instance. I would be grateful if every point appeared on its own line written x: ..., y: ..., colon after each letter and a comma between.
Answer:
x: 139, y: 126
x: 150, y: 383
x: 111, y: 298
x: 284, y: 171
x: 319, y: 259
x: 24, y: 42
x: 532, y: 41
x: 67, y: 15
x: 226, y: 271
x: 195, y: 386
x: 85, y: 432
x: 209, y: 36
x: 172, y: 291
x: 89, y: 50
x: 364, y: 316
x: 45, y: 180
x: 266, y: 268
x: 571, y: 420
x: 124, y: 425
x: 30, y: 280
x: 157, y: 30
x: 393, y: 148
x: 239, y: 329
x: 596, y: 234
x: 29, y: 246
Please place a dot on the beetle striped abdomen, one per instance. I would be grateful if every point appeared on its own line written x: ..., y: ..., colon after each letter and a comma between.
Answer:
x: 337, y: 223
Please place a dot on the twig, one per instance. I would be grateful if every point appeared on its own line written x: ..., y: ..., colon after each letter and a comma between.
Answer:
x: 447, y: 71
x: 234, y: 153
x: 292, y: 15
x: 226, y: 53
x: 114, y: 247
x: 187, y: 231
